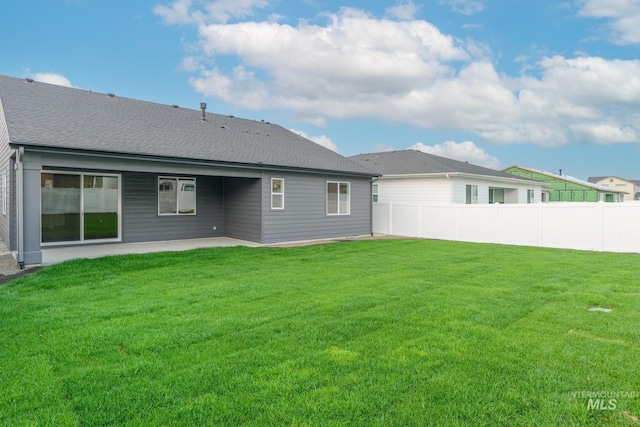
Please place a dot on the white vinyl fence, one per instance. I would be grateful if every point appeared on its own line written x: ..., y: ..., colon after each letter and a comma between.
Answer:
x: 609, y: 227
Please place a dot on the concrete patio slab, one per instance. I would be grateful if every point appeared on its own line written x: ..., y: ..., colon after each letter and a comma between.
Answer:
x: 54, y: 255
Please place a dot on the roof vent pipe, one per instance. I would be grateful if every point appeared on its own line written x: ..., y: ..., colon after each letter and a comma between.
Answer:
x: 203, y: 107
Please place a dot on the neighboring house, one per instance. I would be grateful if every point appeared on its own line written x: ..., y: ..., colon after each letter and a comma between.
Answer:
x: 630, y: 187
x: 568, y: 189
x: 417, y: 177
x: 81, y: 167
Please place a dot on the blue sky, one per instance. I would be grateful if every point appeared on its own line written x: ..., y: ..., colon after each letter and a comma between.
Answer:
x: 544, y: 84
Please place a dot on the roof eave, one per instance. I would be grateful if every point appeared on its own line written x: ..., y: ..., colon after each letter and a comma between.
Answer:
x: 465, y: 175
x: 186, y: 160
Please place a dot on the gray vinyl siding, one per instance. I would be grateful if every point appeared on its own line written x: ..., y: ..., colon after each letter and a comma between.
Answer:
x: 242, y: 202
x: 304, y: 216
x: 140, y: 219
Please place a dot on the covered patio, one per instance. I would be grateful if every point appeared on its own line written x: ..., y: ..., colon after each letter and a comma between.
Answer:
x: 54, y: 255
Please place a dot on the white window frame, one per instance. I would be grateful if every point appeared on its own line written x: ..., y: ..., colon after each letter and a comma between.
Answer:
x: 178, y: 181
x: 339, y: 203
x: 82, y: 207
x: 274, y: 193
x: 471, y: 194
x: 531, y: 196
x: 374, y: 193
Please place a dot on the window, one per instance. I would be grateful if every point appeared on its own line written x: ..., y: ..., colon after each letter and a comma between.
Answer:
x: 496, y: 195
x: 530, y: 196
x: 277, y: 193
x: 472, y: 194
x: 176, y: 196
x: 79, y: 207
x: 375, y: 193
x: 338, y: 198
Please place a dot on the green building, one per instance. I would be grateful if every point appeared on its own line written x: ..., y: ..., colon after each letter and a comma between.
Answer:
x: 563, y: 188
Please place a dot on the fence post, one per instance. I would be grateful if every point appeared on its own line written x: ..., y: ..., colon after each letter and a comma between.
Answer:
x: 390, y: 218
x: 455, y: 221
x: 541, y: 225
x: 497, y: 219
x: 601, y: 224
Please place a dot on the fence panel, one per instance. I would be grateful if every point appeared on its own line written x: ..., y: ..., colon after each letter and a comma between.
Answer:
x: 613, y: 227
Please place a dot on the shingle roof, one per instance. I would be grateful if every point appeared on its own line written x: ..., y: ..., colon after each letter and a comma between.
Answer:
x: 407, y: 162
x: 45, y: 115
x: 595, y: 179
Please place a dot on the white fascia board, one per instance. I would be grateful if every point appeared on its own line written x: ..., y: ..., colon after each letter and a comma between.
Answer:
x: 515, y: 179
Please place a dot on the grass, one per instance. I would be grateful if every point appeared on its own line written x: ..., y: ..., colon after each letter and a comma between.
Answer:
x: 387, y: 332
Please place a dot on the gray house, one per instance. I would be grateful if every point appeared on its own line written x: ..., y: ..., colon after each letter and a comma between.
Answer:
x: 80, y: 167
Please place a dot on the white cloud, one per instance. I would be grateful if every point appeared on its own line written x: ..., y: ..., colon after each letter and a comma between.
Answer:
x: 605, y: 133
x: 623, y: 17
x: 177, y: 13
x: 404, y: 10
x: 465, y: 151
x: 379, y: 148
x: 224, y: 10
x: 354, y: 65
x: 182, y: 11
x: 322, y: 140
x: 343, y: 69
x: 53, y: 78
x: 465, y: 7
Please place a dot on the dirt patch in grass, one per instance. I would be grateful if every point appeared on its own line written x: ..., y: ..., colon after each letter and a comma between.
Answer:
x: 9, y: 269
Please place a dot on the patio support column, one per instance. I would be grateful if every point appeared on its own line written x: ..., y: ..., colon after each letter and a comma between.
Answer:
x: 20, y: 206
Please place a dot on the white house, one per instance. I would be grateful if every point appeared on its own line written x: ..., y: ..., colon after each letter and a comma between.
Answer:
x: 417, y: 177
x: 631, y: 187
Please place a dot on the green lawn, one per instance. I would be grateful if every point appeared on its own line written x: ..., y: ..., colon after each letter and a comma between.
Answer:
x: 386, y: 332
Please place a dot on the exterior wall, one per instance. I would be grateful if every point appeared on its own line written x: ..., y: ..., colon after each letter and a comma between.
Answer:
x: 422, y: 190
x: 236, y: 201
x: 242, y: 204
x: 440, y: 190
x: 621, y: 185
x: 304, y: 216
x: 5, y: 167
x: 140, y: 219
x: 561, y: 190
x: 513, y: 192
x: 31, y: 214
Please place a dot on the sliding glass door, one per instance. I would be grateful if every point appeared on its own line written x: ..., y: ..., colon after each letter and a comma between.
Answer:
x: 78, y: 207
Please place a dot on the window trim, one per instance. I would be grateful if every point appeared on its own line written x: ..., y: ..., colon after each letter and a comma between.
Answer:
x: 178, y: 181
x: 375, y: 196
x: 531, y: 196
x: 281, y: 193
x: 472, y: 197
x: 81, y: 174
x: 338, y: 202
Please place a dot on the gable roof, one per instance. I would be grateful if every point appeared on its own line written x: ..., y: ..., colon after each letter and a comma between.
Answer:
x: 595, y: 179
x: 45, y: 115
x: 414, y: 162
x: 570, y: 179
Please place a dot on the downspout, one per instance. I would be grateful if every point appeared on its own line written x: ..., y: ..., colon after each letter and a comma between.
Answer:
x: 20, y: 206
